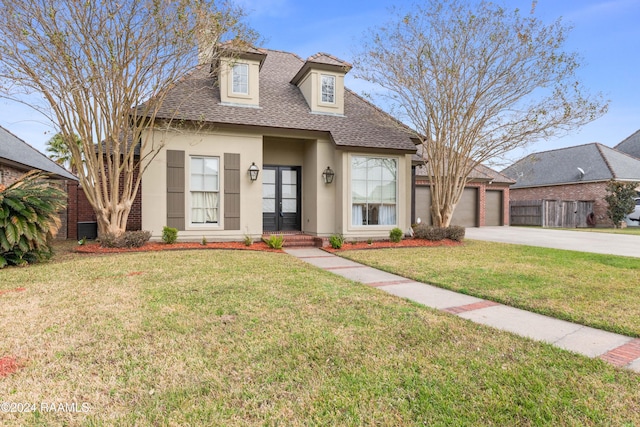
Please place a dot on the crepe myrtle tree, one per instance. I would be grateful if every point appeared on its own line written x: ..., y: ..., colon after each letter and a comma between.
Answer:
x: 474, y: 81
x: 100, y: 70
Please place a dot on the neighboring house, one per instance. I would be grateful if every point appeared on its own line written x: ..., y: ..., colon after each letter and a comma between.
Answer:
x: 17, y: 158
x: 630, y: 145
x: 484, y: 201
x: 573, y: 174
x: 295, y: 122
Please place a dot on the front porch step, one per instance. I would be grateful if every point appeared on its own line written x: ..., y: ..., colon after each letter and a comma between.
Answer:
x: 298, y: 240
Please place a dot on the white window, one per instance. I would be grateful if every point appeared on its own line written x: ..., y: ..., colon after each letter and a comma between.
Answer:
x: 328, y: 89
x: 240, y: 75
x: 373, y: 191
x: 204, y: 186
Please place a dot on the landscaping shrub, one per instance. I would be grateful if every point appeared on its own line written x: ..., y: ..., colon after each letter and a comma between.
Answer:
x: 29, y: 219
x: 395, y: 235
x: 248, y: 240
x: 135, y: 239
x: 430, y: 233
x: 455, y: 232
x: 129, y: 239
x: 275, y: 241
x: 169, y: 235
x: 336, y: 241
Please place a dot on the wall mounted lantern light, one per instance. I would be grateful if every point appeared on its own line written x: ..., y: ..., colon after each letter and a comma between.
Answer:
x: 328, y: 175
x: 253, y: 171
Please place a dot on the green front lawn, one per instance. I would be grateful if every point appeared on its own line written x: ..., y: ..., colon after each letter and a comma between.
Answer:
x: 634, y: 231
x: 602, y: 291
x: 242, y: 338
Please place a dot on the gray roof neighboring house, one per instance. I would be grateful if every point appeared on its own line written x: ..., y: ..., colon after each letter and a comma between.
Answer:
x: 630, y: 145
x: 479, y: 173
x: 283, y: 106
x: 583, y: 163
x: 17, y: 153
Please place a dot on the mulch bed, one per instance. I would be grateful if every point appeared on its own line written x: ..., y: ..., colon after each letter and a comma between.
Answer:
x: 406, y: 243
x: 95, y: 248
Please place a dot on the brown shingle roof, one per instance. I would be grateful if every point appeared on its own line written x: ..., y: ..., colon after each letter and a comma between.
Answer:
x: 282, y: 106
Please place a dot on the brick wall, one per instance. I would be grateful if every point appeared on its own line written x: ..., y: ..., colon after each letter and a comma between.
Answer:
x: 482, y: 188
x: 82, y: 211
x: 9, y: 174
x: 590, y: 191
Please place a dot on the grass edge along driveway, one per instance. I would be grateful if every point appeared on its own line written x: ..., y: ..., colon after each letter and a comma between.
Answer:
x: 600, y: 291
x: 238, y: 338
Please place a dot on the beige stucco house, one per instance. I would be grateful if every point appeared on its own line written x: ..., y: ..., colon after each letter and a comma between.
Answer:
x: 295, y: 122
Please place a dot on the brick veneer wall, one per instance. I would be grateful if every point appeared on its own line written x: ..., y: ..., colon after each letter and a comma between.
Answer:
x: 589, y: 191
x: 82, y: 211
x: 482, y: 199
x: 9, y: 174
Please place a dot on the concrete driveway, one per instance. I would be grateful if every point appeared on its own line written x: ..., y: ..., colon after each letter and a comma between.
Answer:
x: 600, y: 243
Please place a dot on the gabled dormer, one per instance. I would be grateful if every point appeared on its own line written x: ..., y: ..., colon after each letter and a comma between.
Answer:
x: 321, y: 81
x: 239, y: 76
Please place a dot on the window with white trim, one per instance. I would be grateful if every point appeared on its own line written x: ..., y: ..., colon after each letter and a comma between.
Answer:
x: 204, y: 187
x: 240, y: 78
x: 373, y: 190
x: 328, y: 89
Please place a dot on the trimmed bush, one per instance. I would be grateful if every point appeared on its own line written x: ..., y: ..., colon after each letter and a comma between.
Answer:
x: 336, y: 241
x: 455, y: 232
x: 169, y: 235
x: 129, y: 239
x: 430, y: 233
x: 29, y: 219
x: 395, y: 235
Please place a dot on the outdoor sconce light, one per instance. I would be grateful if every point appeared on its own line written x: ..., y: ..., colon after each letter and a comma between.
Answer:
x: 253, y: 171
x: 328, y: 175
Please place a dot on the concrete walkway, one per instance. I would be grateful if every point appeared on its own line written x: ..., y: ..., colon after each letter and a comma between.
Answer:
x: 616, y: 349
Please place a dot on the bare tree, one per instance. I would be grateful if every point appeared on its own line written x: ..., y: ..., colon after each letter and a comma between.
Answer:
x: 475, y: 81
x: 103, y: 69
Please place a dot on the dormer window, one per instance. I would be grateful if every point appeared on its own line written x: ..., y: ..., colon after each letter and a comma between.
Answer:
x: 240, y: 79
x: 328, y: 89
x: 321, y: 81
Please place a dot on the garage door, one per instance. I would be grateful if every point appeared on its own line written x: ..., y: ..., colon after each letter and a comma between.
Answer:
x: 493, y: 207
x: 466, y: 213
x: 423, y: 204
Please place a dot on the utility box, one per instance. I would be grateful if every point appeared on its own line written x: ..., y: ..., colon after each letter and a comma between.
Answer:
x: 88, y: 229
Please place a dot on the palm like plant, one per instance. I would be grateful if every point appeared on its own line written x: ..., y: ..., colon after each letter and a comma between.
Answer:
x: 58, y: 150
x: 29, y: 219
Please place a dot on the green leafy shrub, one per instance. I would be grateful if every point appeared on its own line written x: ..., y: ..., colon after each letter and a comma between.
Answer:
x: 203, y: 242
x: 129, y: 239
x: 430, y: 233
x: 455, y: 232
x: 29, y: 219
x: 336, y: 241
x: 248, y: 240
x: 396, y: 235
x: 275, y: 241
x: 620, y: 200
x: 169, y: 235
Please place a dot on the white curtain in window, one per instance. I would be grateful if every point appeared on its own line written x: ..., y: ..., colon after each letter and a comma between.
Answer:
x: 204, y: 207
x: 387, y: 214
x: 356, y: 214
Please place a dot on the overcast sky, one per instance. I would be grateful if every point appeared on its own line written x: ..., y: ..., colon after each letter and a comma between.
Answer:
x: 606, y: 34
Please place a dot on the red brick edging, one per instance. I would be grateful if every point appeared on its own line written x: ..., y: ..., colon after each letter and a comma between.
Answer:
x: 623, y: 355
x: 470, y: 307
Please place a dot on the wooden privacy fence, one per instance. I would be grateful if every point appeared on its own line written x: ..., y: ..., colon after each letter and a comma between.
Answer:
x: 550, y: 213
